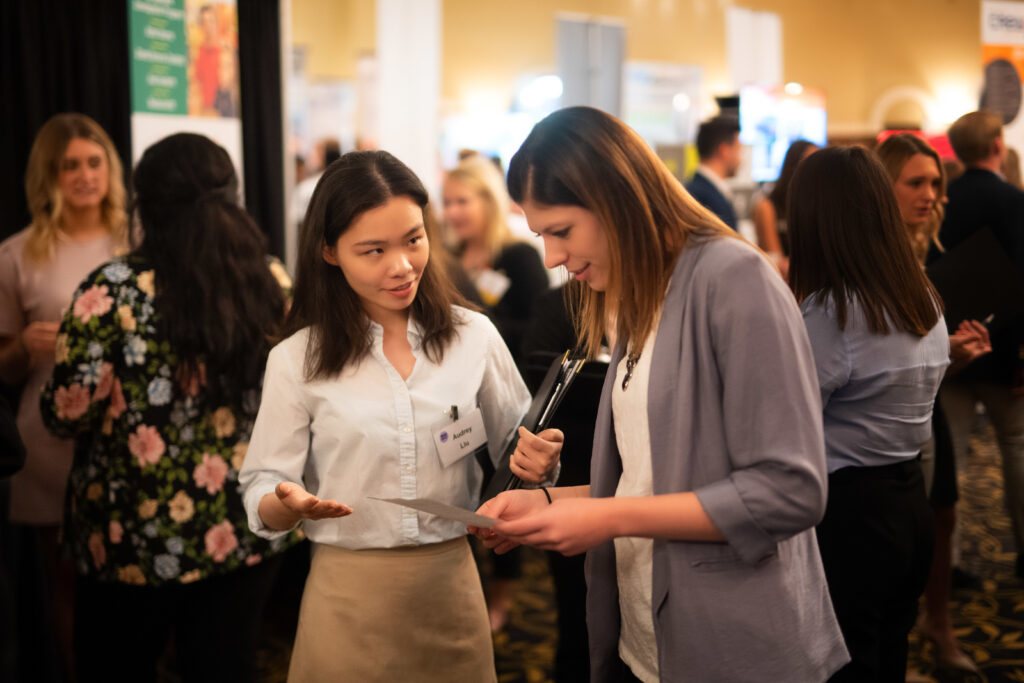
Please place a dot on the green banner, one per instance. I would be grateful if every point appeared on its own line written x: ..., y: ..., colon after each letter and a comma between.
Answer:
x: 159, y: 56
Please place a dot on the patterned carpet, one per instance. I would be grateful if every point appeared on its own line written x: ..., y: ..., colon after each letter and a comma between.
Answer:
x: 988, y: 621
x: 524, y: 650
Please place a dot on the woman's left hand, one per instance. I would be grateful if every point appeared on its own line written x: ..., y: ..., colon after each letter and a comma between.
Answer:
x: 569, y: 525
x: 536, y: 454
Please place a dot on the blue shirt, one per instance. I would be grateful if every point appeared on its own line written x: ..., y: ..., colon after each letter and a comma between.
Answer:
x: 877, y: 390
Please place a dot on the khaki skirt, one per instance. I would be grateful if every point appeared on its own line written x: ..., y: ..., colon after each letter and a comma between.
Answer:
x: 401, y: 614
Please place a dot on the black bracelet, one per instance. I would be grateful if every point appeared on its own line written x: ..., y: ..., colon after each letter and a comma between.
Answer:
x: 546, y: 494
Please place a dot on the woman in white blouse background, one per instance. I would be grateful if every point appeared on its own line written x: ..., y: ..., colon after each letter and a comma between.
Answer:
x: 378, y: 369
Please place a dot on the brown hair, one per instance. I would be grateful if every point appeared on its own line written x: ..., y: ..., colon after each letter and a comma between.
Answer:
x: 43, y: 191
x: 894, y: 153
x: 713, y: 133
x: 339, y: 329
x: 583, y: 157
x: 794, y: 155
x: 848, y: 241
x: 972, y: 135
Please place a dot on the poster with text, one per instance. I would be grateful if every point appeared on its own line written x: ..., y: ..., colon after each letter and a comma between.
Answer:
x: 1002, y: 52
x: 184, y: 72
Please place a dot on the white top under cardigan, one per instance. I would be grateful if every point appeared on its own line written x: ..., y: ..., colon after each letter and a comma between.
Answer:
x: 367, y: 432
x: 634, y: 556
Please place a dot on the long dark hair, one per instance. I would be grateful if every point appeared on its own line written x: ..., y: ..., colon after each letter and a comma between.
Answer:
x: 794, y: 155
x: 339, y: 329
x: 218, y: 302
x: 583, y: 157
x: 848, y: 241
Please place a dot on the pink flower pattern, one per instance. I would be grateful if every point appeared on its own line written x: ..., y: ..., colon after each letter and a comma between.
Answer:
x: 220, y: 541
x: 105, y: 383
x: 146, y: 445
x: 72, y: 401
x: 93, y: 301
x: 189, y: 512
x: 117, y: 404
x: 210, y: 473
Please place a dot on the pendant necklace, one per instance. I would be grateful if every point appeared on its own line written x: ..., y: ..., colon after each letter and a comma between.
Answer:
x: 631, y: 362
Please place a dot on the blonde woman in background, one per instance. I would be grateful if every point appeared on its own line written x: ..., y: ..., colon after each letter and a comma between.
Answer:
x: 76, y: 196
x: 508, y: 273
x: 509, y: 277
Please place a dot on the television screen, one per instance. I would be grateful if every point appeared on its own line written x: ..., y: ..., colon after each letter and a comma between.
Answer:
x: 772, y: 118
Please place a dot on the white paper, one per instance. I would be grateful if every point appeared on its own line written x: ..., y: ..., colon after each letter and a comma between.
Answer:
x: 444, y: 510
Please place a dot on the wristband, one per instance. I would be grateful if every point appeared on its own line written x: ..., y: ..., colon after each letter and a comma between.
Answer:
x: 546, y: 494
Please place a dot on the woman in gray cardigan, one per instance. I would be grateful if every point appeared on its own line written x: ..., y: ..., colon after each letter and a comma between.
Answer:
x: 708, y: 472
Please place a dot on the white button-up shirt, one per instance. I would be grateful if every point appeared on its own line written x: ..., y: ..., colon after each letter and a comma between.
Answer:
x: 368, y: 432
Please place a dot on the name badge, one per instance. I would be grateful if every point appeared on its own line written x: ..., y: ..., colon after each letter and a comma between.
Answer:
x: 457, y: 439
x: 492, y: 285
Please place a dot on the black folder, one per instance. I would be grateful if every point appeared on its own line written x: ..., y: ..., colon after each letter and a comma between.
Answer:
x: 559, y: 378
x: 977, y: 281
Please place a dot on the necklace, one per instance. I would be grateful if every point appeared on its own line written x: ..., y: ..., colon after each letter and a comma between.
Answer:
x: 631, y: 362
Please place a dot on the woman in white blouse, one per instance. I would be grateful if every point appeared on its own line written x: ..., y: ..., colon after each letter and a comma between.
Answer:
x: 383, y: 388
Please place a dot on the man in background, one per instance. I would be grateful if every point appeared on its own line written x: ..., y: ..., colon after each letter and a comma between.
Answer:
x: 981, y: 198
x: 718, y: 145
x: 329, y: 150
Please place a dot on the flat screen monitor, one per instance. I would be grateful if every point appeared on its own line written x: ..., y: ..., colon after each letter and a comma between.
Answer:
x: 771, y: 119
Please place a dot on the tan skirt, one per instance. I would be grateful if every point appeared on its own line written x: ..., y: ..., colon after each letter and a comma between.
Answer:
x: 402, y: 614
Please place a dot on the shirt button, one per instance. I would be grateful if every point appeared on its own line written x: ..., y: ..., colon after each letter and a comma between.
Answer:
x: 406, y: 428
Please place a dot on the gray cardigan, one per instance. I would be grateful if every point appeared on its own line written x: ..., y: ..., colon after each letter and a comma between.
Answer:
x: 735, y: 416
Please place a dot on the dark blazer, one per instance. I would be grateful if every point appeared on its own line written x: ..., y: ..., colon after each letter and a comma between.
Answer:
x: 705, y: 192
x: 743, y: 431
x: 981, y: 199
x: 528, y: 278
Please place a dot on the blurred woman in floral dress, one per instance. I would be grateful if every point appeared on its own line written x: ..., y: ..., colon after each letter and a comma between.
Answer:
x: 159, y: 363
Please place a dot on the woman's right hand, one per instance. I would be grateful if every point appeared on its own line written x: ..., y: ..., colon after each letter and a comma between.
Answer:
x: 305, y: 505
x: 507, y: 505
x: 40, y: 338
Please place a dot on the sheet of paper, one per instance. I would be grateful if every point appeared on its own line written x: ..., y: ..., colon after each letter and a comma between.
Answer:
x: 444, y: 510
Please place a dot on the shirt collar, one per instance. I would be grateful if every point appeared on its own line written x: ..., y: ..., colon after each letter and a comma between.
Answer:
x: 414, y: 332
x: 716, y: 180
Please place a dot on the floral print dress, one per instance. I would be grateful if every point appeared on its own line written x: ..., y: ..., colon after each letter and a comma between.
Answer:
x: 153, y: 494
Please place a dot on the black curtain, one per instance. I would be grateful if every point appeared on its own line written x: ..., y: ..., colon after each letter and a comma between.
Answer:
x: 259, y: 55
x: 58, y: 56
x: 72, y: 55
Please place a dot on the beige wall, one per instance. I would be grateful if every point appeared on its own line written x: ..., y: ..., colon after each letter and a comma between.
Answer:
x: 335, y: 33
x: 856, y: 50
x: 522, y: 41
